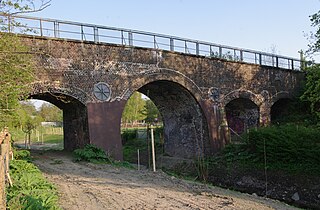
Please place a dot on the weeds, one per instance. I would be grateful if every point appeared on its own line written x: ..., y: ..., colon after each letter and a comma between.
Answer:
x: 30, y: 189
x: 91, y: 153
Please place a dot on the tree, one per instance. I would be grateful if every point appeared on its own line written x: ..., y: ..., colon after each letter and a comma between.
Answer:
x: 16, y: 69
x: 312, y: 86
x: 133, y: 110
x: 14, y: 7
x: 50, y: 113
x: 16, y: 63
x: 151, y: 112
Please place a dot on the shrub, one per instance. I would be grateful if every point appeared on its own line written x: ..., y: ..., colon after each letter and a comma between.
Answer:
x: 128, y: 134
x: 30, y: 189
x: 91, y: 153
x: 285, y: 144
x: 21, y: 155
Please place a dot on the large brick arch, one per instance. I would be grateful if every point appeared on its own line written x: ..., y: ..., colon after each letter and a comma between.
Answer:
x: 71, y: 102
x: 70, y: 92
x: 177, y: 98
x: 172, y: 76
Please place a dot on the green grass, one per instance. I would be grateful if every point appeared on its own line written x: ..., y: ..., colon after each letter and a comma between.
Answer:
x: 53, y: 138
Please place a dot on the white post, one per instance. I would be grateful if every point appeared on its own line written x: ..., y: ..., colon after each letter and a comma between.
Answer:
x: 153, y: 152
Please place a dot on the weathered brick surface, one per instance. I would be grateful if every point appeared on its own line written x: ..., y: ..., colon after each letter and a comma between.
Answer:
x: 190, y: 91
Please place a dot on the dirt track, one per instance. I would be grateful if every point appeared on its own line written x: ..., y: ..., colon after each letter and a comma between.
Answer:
x: 88, y: 186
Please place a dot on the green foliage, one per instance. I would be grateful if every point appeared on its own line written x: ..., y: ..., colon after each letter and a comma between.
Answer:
x: 314, y: 45
x: 288, y: 147
x: 312, y: 89
x: 22, y: 6
x: 50, y: 113
x: 285, y: 144
x: 30, y: 189
x: 128, y: 134
x: 91, y: 153
x: 133, y: 109
x: 22, y: 155
x: 16, y: 62
x: 151, y: 112
x: 16, y: 67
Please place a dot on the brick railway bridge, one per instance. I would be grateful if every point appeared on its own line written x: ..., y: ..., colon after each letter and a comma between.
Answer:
x: 203, y: 91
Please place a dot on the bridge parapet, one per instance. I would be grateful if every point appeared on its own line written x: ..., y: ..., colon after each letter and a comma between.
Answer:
x: 102, y: 34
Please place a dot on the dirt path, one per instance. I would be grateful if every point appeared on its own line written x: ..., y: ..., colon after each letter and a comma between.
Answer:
x: 88, y: 186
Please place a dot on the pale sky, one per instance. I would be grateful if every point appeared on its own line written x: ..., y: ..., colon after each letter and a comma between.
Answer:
x: 252, y: 24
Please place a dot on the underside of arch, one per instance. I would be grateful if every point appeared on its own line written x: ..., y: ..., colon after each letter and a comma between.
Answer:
x: 185, y: 126
x: 75, y: 123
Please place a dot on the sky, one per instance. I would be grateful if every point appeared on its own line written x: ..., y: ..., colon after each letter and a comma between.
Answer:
x: 275, y: 26
x: 267, y: 25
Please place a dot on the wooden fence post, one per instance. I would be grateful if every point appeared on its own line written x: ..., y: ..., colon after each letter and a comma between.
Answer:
x: 2, y: 181
x: 5, y: 156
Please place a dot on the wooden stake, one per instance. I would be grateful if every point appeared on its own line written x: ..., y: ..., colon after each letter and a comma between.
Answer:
x: 138, y: 160
x: 153, y: 152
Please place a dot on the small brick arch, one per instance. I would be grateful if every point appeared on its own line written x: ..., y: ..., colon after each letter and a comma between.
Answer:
x: 280, y: 95
x: 255, y: 98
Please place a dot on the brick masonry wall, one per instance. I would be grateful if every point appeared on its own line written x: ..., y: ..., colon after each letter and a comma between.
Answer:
x: 191, y: 91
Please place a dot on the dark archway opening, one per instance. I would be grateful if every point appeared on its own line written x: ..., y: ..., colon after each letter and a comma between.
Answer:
x: 281, y: 110
x: 185, y: 129
x: 242, y: 114
x: 75, y: 122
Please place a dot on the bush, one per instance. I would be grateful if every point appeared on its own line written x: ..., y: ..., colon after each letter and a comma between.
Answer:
x: 128, y: 134
x: 285, y: 144
x: 91, y: 153
x: 22, y: 155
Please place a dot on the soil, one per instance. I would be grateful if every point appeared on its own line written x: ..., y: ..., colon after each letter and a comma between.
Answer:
x: 295, y: 189
x: 102, y: 186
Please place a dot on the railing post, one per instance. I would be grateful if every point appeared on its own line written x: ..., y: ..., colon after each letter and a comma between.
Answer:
x: 185, y: 47
x: 260, y: 59
x: 171, y: 44
x: 292, y: 64
x: 56, y: 29
x: 154, y: 42
x: 220, y: 51
x: 95, y: 34
x: 241, y: 55
x: 277, y: 61
x: 41, y: 32
x: 82, y: 33
x: 123, y: 40
x: 197, y: 48
x: 130, y: 36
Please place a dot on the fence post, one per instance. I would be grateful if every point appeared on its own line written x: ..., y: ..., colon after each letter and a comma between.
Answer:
x: 5, y: 156
x: 2, y: 182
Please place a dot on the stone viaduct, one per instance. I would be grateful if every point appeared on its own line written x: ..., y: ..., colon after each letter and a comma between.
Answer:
x: 201, y: 99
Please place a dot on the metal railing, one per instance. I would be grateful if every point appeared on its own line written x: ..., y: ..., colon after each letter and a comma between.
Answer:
x: 101, y: 34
